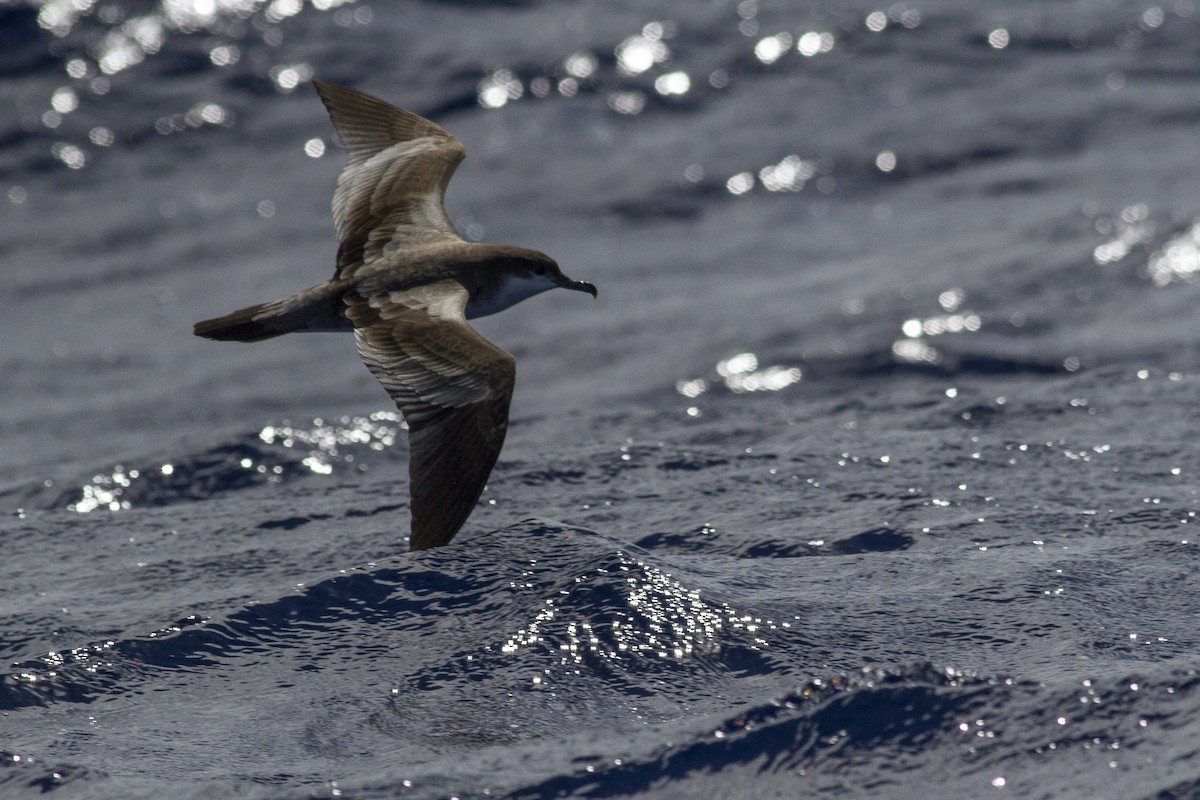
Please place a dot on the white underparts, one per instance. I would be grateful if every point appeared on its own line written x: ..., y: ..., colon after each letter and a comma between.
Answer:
x: 512, y: 291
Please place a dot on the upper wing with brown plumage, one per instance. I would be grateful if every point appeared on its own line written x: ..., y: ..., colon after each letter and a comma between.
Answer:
x: 453, y: 387
x: 390, y: 194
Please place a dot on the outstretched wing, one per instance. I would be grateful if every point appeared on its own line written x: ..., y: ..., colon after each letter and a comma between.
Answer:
x: 390, y: 194
x: 453, y: 387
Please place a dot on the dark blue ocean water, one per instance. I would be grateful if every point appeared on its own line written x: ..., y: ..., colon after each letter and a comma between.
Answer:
x: 872, y: 473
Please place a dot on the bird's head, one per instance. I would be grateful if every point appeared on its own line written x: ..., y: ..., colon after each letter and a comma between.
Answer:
x: 541, y: 268
x: 506, y: 275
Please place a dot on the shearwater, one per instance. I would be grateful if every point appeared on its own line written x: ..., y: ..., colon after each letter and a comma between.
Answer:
x: 406, y: 283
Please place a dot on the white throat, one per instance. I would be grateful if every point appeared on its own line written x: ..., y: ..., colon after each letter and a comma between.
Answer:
x: 511, y: 291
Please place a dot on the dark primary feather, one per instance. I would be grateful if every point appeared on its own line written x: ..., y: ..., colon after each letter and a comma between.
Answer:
x: 453, y: 387
x: 391, y: 192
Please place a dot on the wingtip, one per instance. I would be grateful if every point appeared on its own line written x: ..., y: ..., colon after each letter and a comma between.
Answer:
x: 325, y: 89
x: 330, y: 92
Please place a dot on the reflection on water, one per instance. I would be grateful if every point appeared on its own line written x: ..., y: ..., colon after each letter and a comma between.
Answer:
x: 673, y: 83
x: 287, y: 77
x: 791, y: 174
x: 998, y: 39
x: 69, y: 154
x: 90, y: 658
x: 98, y: 40
x: 1126, y: 230
x: 1178, y: 259
x: 498, y: 88
x: 639, y: 53
x: 197, y: 116
x: 60, y: 17
x: 896, y: 14
x: 661, y: 618
x: 324, y: 447
x: 741, y: 373
x: 627, y: 102
x: 581, y: 65
x: 327, y: 443
x: 105, y: 491
x: 913, y: 348
x: 813, y: 43
x: 1131, y: 229
x: 634, y: 56
x: 772, y: 48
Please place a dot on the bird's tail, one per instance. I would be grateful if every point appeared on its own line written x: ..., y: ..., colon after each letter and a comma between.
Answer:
x: 250, y: 324
x: 315, y: 309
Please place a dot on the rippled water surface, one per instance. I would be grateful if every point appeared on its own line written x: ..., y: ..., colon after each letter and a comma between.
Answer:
x: 871, y: 473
